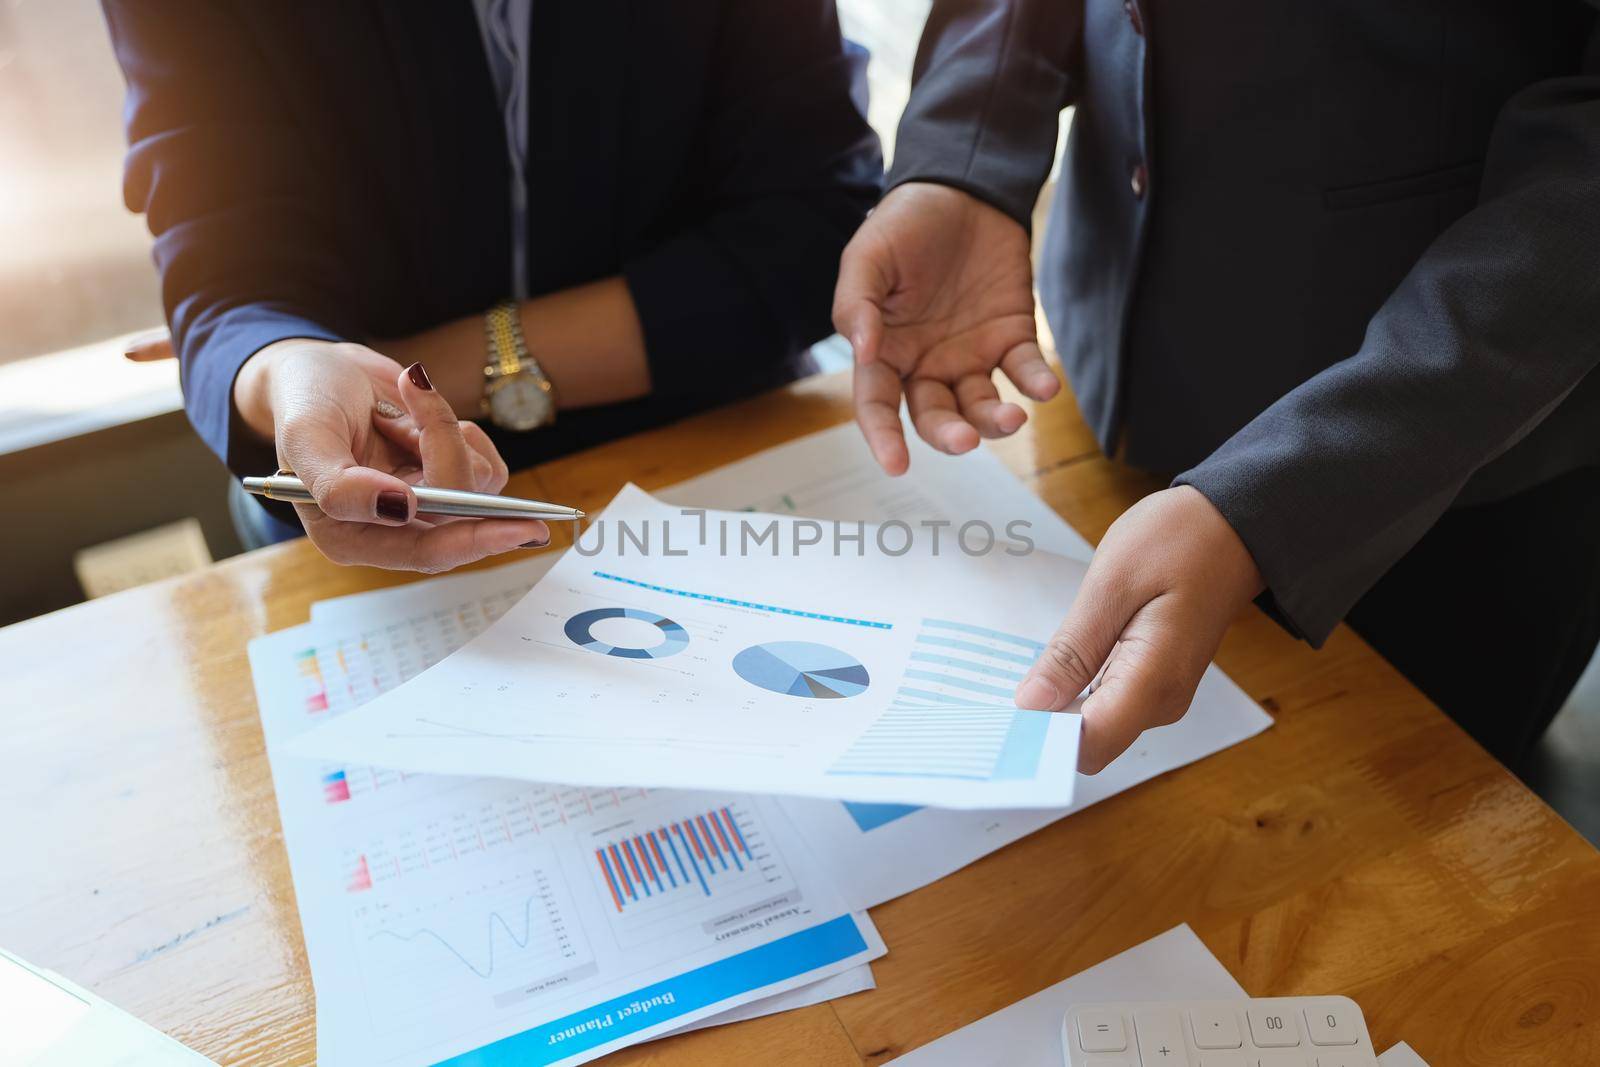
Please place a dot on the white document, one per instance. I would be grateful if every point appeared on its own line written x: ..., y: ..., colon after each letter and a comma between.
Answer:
x: 47, y: 1021
x: 382, y: 637
x: 420, y: 623
x: 880, y: 851
x: 1175, y: 965
x: 523, y: 923
x: 456, y: 606
x: 877, y: 852
x: 855, y: 980
x: 830, y: 475
x: 881, y: 671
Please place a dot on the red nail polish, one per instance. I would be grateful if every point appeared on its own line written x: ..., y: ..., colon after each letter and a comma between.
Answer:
x: 393, y: 506
x: 536, y: 544
x: 419, y: 377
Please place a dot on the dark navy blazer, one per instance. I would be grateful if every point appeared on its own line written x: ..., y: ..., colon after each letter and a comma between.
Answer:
x: 1339, y: 258
x: 338, y: 169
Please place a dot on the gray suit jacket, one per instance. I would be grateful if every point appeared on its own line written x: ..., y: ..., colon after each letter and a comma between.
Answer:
x: 1338, y: 258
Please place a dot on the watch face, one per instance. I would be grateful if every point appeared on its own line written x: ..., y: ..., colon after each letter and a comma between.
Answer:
x: 519, y: 402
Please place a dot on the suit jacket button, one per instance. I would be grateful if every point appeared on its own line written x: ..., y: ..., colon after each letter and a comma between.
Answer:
x: 1135, y: 19
x: 1137, y: 181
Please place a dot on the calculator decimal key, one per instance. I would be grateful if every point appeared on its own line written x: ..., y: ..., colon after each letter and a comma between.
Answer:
x: 1214, y: 1027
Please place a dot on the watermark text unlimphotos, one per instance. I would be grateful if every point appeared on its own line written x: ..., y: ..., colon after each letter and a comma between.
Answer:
x: 766, y: 535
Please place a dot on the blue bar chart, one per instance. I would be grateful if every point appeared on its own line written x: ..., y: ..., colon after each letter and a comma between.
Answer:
x: 954, y: 715
x: 693, y: 855
x: 692, y: 870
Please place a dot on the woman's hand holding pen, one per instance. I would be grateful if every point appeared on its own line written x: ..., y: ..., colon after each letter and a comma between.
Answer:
x: 360, y: 431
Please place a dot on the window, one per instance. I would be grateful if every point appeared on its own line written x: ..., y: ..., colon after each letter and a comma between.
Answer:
x: 75, y: 267
x: 74, y: 263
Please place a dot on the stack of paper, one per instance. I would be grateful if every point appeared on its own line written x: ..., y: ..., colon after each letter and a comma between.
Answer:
x: 539, y: 923
x: 525, y: 923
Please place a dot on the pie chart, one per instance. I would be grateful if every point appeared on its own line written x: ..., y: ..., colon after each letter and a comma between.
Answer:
x: 674, y: 638
x: 802, y: 669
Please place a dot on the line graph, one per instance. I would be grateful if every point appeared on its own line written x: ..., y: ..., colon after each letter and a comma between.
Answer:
x: 494, y: 919
x: 474, y: 933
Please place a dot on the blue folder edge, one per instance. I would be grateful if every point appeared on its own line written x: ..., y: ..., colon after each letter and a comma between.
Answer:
x: 666, y: 1000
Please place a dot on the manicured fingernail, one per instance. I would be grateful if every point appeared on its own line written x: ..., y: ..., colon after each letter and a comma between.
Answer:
x: 393, y: 506
x: 1036, y: 693
x: 536, y: 543
x: 419, y: 377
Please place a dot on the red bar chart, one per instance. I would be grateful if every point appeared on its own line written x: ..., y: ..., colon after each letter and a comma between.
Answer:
x: 701, y: 855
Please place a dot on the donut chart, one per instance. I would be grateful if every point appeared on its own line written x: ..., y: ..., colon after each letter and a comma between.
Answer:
x: 802, y: 669
x: 674, y: 637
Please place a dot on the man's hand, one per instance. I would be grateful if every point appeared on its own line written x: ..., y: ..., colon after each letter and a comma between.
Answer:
x: 1166, y: 582
x: 360, y: 432
x: 936, y: 291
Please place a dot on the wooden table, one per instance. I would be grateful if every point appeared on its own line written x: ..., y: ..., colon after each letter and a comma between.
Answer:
x: 1364, y: 845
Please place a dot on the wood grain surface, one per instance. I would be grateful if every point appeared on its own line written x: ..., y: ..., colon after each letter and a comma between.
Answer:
x: 1363, y: 845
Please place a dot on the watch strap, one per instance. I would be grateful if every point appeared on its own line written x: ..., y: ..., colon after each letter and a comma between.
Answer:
x: 507, y: 347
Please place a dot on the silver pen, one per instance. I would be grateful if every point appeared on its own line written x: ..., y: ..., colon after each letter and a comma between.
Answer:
x: 430, y: 501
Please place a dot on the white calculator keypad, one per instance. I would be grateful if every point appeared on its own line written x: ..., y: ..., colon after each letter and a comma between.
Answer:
x: 1268, y: 1032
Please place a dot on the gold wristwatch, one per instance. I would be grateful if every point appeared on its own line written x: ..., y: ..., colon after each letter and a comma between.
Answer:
x: 516, y: 393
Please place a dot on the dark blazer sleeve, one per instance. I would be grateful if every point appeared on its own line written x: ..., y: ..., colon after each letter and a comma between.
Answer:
x: 794, y: 168
x: 990, y: 80
x: 242, y: 239
x: 1489, y: 332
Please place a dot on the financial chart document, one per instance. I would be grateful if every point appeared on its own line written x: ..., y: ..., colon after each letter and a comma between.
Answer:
x: 801, y: 660
x: 879, y: 851
x: 520, y: 922
x: 372, y: 641
x: 876, y: 851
